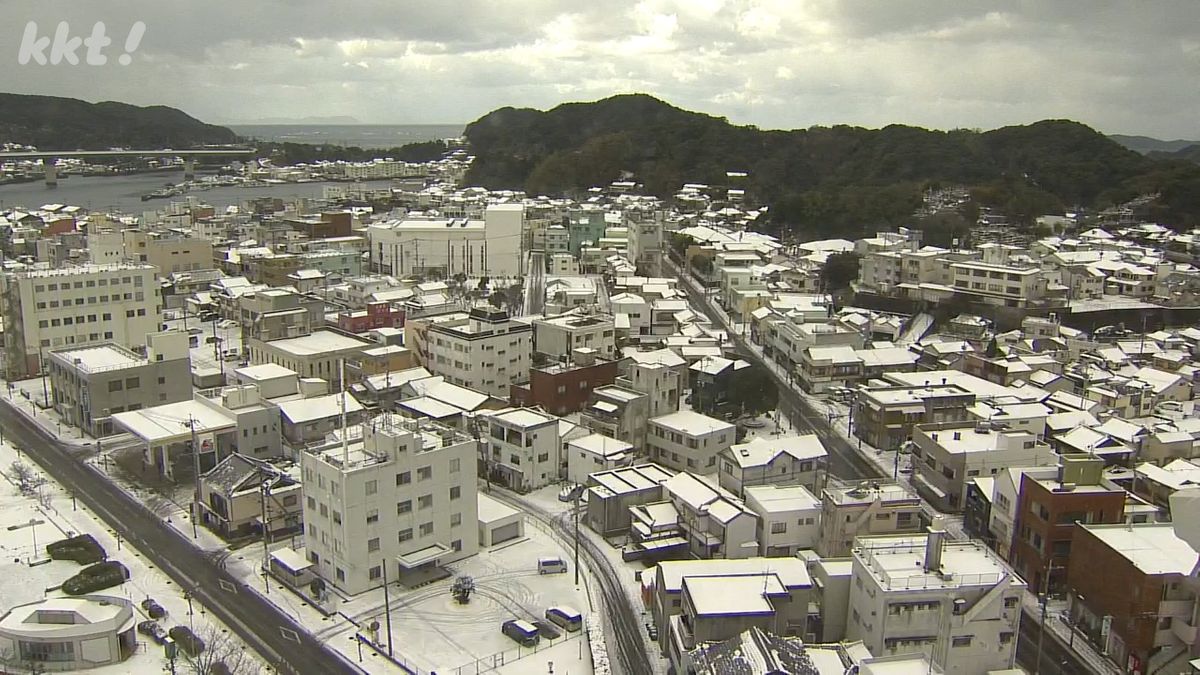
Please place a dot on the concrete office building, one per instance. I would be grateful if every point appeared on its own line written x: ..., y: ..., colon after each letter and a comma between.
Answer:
x: 90, y: 384
x: 484, y: 350
x: 75, y: 306
x: 403, y: 495
x: 956, y: 602
x: 488, y: 247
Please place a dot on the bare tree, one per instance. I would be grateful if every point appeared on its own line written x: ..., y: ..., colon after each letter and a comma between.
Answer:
x: 223, y: 654
x: 28, y: 481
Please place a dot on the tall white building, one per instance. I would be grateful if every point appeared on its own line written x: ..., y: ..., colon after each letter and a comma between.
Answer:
x: 87, y: 304
x: 488, y: 247
x: 401, y: 496
x: 956, y: 602
x: 523, y: 447
x: 484, y: 350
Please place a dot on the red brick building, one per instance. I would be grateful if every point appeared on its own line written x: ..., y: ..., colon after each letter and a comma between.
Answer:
x: 1131, y: 594
x: 1047, y: 511
x: 376, y: 315
x: 563, y: 388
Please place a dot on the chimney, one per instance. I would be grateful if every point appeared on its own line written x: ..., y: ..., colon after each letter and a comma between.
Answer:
x: 933, y: 546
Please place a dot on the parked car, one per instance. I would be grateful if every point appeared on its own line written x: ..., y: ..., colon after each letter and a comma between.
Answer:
x: 152, y: 630
x: 226, y: 323
x: 153, y: 609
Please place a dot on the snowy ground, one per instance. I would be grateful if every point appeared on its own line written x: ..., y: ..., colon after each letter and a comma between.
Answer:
x: 60, y: 520
x: 547, y: 498
x: 432, y: 632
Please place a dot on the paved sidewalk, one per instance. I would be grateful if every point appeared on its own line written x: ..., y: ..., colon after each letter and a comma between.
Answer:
x: 1057, y: 628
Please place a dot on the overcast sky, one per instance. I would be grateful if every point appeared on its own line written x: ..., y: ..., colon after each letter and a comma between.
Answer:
x: 1122, y: 67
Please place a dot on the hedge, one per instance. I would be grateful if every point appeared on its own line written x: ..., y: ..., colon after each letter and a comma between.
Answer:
x: 83, y: 549
x: 96, y: 577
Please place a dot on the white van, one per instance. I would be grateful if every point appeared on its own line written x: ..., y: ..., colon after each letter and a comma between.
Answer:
x: 565, y: 617
x: 551, y: 565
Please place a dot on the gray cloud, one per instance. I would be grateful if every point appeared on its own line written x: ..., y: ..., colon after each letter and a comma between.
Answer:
x: 1121, y: 67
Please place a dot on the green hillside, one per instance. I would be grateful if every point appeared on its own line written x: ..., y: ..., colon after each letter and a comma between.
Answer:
x: 823, y: 180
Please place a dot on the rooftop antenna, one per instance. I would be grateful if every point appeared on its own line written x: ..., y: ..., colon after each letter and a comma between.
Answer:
x: 342, y: 401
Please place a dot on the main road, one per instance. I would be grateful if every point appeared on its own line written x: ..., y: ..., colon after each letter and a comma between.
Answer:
x: 844, y: 460
x: 285, y: 645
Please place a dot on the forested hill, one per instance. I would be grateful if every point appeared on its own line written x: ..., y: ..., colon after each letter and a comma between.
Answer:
x: 53, y: 123
x: 823, y: 179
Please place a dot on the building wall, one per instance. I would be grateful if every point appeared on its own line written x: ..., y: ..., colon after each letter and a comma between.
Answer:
x: 842, y: 523
x: 490, y: 361
x: 687, y: 451
x: 342, y: 552
x: 563, y: 390
x: 1045, y: 526
x: 87, y: 400
x: 783, y: 469
x: 120, y: 303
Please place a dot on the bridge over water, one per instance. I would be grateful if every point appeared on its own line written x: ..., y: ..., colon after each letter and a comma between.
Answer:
x: 50, y: 157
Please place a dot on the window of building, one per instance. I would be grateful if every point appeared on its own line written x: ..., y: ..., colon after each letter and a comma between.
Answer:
x: 371, y: 487
x: 455, y: 492
x: 337, y: 517
x: 455, y: 519
x: 403, y: 478
x: 778, y: 528
x: 375, y: 573
x: 425, y: 502
x: 341, y: 574
x: 372, y: 516
x: 962, y: 640
x: 426, y: 529
x: 404, y: 507
x: 405, y: 535
x: 455, y: 465
x: 424, y: 472
x: 372, y: 545
x: 312, y: 503
x: 115, y: 385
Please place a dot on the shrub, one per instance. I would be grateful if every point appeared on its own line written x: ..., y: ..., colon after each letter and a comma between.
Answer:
x: 83, y: 549
x: 96, y: 577
x: 188, y: 641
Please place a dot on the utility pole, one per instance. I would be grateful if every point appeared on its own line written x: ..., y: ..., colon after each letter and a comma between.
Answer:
x: 1050, y: 567
x: 45, y: 389
x: 387, y: 609
x: 195, y: 467
x: 578, y: 493
x: 266, y: 528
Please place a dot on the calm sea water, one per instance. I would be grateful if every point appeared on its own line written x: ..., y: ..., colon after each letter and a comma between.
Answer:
x: 361, y: 135
x: 123, y: 194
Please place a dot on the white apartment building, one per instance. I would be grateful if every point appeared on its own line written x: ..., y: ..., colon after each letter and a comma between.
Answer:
x: 595, y: 452
x: 865, y: 509
x: 559, y: 336
x: 488, y: 247
x: 74, y: 306
x: 397, y: 501
x: 522, y: 446
x: 483, y: 350
x: 658, y: 380
x: 947, y: 455
x: 954, y: 601
x: 688, y: 441
x: 789, y: 460
x: 789, y: 518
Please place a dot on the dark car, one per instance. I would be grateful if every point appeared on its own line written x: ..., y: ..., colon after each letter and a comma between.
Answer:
x: 152, y: 630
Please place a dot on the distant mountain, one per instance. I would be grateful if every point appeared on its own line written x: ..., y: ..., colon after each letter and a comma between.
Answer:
x: 822, y: 181
x: 1189, y: 153
x: 53, y: 123
x: 1146, y: 144
x: 315, y: 121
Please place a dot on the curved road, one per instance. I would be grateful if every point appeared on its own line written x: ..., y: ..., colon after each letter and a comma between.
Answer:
x: 285, y: 645
x: 629, y: 649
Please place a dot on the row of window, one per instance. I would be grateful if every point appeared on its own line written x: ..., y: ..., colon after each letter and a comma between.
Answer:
x: 90, y: 283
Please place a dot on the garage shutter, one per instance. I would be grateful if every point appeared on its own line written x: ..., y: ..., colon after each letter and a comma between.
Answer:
x: 505, y: 532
